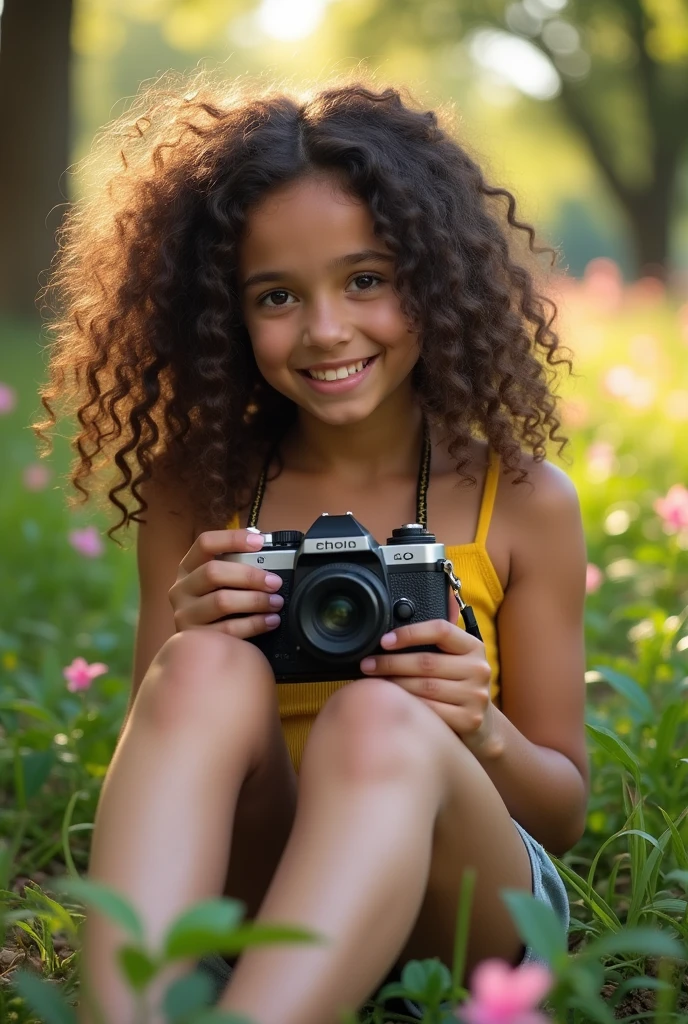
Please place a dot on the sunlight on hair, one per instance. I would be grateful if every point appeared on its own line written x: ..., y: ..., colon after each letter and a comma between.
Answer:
x: 290, y: 19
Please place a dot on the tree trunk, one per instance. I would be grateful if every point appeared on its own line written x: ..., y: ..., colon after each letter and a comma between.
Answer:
x: 34, y: 100
x: 650, y: 220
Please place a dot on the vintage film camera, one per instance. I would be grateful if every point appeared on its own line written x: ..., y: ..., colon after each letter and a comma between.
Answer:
x: 342, y: 591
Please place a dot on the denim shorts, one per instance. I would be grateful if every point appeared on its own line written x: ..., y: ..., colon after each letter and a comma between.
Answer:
x: 547, y: 887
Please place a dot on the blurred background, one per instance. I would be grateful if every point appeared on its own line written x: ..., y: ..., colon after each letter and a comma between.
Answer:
x: 578, y: 106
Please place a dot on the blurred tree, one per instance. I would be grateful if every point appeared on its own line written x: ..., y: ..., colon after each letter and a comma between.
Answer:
x: 618, y: 70
x: 34, y: 100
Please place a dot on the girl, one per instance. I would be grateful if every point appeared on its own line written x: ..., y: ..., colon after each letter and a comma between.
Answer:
x: 326, y: 290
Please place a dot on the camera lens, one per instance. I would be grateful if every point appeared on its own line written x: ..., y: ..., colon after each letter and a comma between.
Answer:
x: 340, y: 611
x: 338, y: 614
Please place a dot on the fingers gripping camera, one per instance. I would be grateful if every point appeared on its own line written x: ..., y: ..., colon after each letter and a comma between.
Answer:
x: 343, y: 591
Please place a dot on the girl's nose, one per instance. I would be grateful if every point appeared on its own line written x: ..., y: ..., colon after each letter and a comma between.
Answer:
x: 326, y: 326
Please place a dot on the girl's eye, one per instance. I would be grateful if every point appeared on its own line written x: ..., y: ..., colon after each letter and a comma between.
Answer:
x: 282, y: 295
x: 368, y: 277
x: 270, y: 305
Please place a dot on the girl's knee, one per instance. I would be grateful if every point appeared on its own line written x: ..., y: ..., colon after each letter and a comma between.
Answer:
x: 205, y: 674
x: 371, y: 728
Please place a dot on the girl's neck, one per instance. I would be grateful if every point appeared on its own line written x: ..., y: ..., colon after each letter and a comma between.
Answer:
x: 386, y: 443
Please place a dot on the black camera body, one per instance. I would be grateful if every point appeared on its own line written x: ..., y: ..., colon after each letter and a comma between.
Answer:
x: 342, y: 591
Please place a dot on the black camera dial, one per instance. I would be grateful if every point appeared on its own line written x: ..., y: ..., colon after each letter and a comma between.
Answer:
x: 286, y: 538
x: 403, y: 609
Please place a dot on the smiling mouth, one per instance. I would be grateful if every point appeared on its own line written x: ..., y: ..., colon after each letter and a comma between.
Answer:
x: 341, y: 373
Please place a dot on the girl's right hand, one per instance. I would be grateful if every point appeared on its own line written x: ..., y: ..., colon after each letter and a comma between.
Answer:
x: 207, y: 589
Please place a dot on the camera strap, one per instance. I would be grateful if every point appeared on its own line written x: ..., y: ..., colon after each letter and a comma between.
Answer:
x: 467, y: 613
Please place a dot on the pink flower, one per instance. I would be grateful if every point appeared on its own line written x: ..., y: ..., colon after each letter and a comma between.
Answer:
x: 594, y: 577
x: 87, y: 542
x: 36, y: 477
x: 506, y: 995
x: 80, y: 674
x: 673, y: 509
x: 603, y: 283
x: 8, y: 398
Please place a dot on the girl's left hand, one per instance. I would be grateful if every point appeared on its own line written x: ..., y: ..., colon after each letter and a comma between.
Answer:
x: 454, y: 682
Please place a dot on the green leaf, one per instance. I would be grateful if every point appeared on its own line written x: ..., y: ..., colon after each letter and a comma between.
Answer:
x: 211, y: 927
x: 610, y: 743
x: 392, y: 991
x: 198, y: 929
x: 28, y: 707
x: 44, y: 998
x: 678, y: 876
x: 427, y: 981
x: 413, y: 978
x: 106, y: 900
x: 537, y: 924
x: 592, y: 899
x: 629, y: 689
x: 187, y: 995
x: 671, y: 716
x: 59, y: 918
x: 680, y: 851
x: 640, y: 941
x: 36, y: 767
x: 137, y: 966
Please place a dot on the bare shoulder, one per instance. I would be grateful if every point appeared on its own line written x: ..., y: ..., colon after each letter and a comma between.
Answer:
x: 543, y: 512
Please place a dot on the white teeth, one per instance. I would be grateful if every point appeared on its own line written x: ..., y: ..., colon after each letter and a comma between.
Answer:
x: 339, y: 374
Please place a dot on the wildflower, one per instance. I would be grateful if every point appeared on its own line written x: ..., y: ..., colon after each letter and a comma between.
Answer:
x: 603, y: 283
x: 86, y: 541
x: 8, y: 398
x: 594, y: 578
x: 673, y: 509
x: 501, y: 994
x: 36, y: 477
x: 80, y: 674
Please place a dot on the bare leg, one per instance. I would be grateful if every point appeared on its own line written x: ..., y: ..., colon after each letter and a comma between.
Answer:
x: 202, y: 725
x: 383, y: 784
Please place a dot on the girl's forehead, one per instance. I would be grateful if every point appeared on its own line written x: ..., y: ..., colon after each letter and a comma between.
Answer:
x: 306, y: 216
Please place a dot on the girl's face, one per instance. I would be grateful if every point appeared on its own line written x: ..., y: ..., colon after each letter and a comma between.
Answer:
x: 319, y: 303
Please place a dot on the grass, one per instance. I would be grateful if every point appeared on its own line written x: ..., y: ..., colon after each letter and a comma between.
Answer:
x: 628, y: 876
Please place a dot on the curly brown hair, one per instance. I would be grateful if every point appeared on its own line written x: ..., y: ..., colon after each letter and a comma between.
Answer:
x: 150, y: 350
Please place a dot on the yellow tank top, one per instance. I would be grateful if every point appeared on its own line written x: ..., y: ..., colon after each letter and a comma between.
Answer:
x: 299, y: 703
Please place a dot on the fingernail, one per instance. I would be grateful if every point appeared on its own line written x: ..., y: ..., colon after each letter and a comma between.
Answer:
x: 368, y: 665
x: 271, y: 621
x: 389, y: 639
x: 275, y: 601
x: 273, y: 580
x: 255, y: 540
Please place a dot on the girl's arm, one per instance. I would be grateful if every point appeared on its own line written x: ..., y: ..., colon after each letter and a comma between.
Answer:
x: 161, y: 543
x: 541, y: 767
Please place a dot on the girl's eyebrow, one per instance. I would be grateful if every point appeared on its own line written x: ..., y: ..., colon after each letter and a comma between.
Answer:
x: 364, y: 256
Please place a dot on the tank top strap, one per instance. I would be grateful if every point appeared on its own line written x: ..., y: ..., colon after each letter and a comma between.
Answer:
x: 488, y: 499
